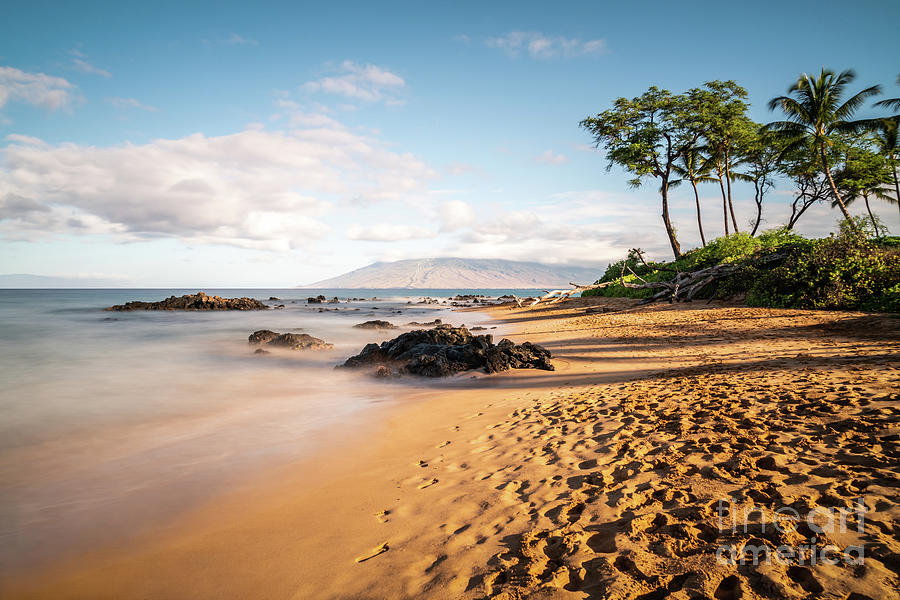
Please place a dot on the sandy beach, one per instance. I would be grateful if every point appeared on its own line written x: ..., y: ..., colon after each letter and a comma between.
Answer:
x: 666, y: 433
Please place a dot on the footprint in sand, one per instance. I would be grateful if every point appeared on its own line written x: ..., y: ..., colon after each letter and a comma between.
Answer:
x: 379, y: 550
x: 428, y: 483
x: 804, y: 577
x: 442, y: 444
x: 604, y: 539
x: 728, y: 589
x: 421, y: 463
x: 382, y: 516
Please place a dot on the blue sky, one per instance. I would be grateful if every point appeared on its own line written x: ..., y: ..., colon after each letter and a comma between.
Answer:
x: 230, y: 144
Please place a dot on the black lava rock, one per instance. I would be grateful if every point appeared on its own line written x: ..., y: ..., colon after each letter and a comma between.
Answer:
x: 445, y: 351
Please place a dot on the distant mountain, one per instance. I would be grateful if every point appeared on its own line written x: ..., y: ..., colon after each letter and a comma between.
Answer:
x: 25, y: 281
x: 460, y: 273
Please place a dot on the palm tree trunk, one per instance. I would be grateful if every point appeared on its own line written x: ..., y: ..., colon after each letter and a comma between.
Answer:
x: 728, y: 183
x: 676, y: 247
x: 837, y: 195
x: 871, y: 216
x: 896, y: 186
x: 724, y: 202
x: 699, y: 221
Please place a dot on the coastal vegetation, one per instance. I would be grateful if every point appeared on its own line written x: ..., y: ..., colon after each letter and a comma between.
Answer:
x: 851, y: 270
x: 705, y: 137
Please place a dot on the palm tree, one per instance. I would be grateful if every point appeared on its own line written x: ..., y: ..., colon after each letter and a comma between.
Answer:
x: 815, y: 112
x: 696, y: 170
x: 886, y: 139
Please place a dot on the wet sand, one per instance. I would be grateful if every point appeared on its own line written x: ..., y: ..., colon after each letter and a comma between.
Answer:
x: 602, y: 479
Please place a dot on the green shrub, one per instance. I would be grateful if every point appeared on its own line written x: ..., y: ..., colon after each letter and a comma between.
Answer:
x: 843, y: 272
x: 847, y: 271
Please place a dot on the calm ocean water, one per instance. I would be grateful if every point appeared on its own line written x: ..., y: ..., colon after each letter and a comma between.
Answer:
x: 115, y: 421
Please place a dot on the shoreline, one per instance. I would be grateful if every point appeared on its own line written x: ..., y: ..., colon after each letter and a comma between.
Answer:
x: 516, y: 473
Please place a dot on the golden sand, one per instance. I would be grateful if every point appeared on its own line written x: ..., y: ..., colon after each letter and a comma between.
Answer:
x: 603, y: 479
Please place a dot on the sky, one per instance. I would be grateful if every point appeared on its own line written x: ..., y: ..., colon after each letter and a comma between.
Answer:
x: 269, y: 144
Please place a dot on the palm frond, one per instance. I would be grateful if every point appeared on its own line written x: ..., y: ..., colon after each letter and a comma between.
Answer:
x: 857, y: 127
x: 788, y: 127
x: 890, y: 104
x: 794, y: 110
x: 846, y: 110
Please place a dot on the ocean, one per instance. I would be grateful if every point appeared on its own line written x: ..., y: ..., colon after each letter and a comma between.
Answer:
x: 113, y: 422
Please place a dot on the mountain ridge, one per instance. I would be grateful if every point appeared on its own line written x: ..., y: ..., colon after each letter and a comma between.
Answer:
x: 459, y: 273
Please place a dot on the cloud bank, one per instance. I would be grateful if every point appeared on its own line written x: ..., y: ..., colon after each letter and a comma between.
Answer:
x: 254, y: 189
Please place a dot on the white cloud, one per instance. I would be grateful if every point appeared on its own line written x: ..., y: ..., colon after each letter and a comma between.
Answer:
x: 300, y: 118
x: 130, y: 103
x: 368, y: 83
x: 549, y: 158
x: 239, y: 40
x: 455, y: 215
x: 253, y: 189
x: 86, y: 67
x: 25, y: 139
x: 388, y: 232
x: 538, y: 45
x: 37, y: 89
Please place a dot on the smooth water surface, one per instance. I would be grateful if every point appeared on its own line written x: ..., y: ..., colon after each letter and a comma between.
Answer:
x: 114, y: 421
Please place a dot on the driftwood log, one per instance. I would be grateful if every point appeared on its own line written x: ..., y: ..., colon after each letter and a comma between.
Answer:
x: 554, y: 296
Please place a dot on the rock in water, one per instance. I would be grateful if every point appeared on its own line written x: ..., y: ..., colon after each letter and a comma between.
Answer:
x: 435, y: 323
x: 294, y: 341
x: 198, y: 301
x: 263, y: 336
x: 376, y: 325
x: 447, y: 350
